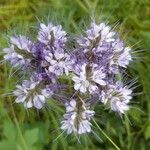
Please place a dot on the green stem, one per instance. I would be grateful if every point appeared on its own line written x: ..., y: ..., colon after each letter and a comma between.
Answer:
x: 106, y: 135
x: 24, y: 146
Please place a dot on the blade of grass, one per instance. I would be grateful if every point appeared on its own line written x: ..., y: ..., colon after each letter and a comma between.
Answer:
x: 106, y: 135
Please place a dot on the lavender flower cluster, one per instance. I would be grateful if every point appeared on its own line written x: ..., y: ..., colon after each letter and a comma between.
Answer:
x: 90, y: 68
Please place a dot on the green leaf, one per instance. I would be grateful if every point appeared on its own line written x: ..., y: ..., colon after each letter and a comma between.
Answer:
x: 6, y: 145
x: 147, y: 133
x: 31, y: 136
x: 10, y: 133
x: 10, y: 130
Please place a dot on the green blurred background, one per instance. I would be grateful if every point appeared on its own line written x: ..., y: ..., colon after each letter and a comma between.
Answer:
x: 31, y: 130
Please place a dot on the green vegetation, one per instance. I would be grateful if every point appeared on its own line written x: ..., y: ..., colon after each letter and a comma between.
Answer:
x: 31, y: 130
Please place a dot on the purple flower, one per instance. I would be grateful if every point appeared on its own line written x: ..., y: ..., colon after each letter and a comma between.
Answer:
x: 118, y: 96
x: 14, y: 58
x: 95, y: 36
x: 56, y: 63
x: 54, y: 39
x: 52, y: 36
x: 125, y: 57
x: 77, y: 121
x: 19, y: 53
x: 33, y: 93
x: 77, y: 76
x: 27, y: 93
x: 121, y: 55
x: 88, y: 79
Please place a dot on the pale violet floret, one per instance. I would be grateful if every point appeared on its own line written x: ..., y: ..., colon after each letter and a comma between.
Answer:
x: 77, y: 121
x: 48, y: 92
x: 84, y: 82
x: 14, y: 58
x: 118, y: 96
x: 56, y: 63
x: 119, y: 106
x: 52, y: 35
x: 21, y: 42
x: 98, y: 77
x: 19, y: 53
x: 121, y: 55
x: 57, y: 67
x: 30, y: 94
x: 125, y: 57
x: 97, y: 33
x: 101, y: 30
